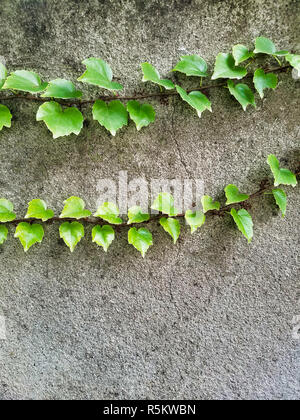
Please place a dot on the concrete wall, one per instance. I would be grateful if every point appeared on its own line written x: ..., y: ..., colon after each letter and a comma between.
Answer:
x: 208, y: 318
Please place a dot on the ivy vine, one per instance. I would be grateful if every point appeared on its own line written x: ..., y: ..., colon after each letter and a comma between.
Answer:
x: 106, y: 221
x: 60, y: 97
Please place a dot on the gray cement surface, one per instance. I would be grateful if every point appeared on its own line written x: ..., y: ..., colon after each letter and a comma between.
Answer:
x: 208, y: 318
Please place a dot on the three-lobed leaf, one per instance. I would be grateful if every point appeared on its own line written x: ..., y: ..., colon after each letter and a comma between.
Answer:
x: 196, y: 100
x: 6, y: 211
x: 244, y: 222
x: 136, y: 215
x: 5, y: 117
x: 103, y: 236
x: 192, y: 65
x: 164, y: 203
x: 60, y: 122
x: 110, y: 213
x: 3, y: 74
x: 242, y: 93
x: 112, y: 115
x: 99, y: 73
x: 195, y: 219
x: 209, y: 204
x: 263, y: 81
x: 26, y: 81
x: 233, y: 195
x: 71, y: 233
x: 37, y: 209
x: 29, y: 234
x: 141, y: 239
x: 61, y: 88
x: 225, y: 68
x: 171, y: 226
x: 281, y: 200
x: 3, y: 234
x: 282, y: 176
x: 241, y: 53
x: 266, y: 46
x: 141, y: 114
x: 150, y: 74
x: 74, y: 209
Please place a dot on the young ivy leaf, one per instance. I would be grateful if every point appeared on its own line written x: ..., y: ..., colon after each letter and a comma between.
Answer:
x: 225, y: 68
x: 241, y: 53
x: 5, y: 117
x: 164, y: 203
x: 266, y: 46
x: 171, y: 226
x: 136, y: 215
x: 110, y: 213
x: 242, y: 93
x: 37, y: 209
x: 141, y: 114
x: 29, y: 234
x: 280, y: 198
x: 112, y: 116
x: 151, y: 74
x: 192, y: 65
x: 99, y: 73
x: 74, y: 209
x: 233, y: 195
x: 3, y: 74
x: 244, y: 222
x: 196, y: 100
x: 281, y: 175
x: 61, y: 88
x: 263, y: 81
x: 141, y: 239
x: 209, y: 204
x: 60, y: 122
x: 26, y: 81
x: 103, y: 236
x: 71, y: 233
x: 195, y: 219
x: 6, y: 211
x: 3, y: 234
x: 294, y: 60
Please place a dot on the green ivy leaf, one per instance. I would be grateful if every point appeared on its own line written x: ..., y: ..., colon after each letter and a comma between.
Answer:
x: 266, y: 46
x: 112, y: 116
x: 109, y: 212
x: 136, y: 215
x: 233, y: 195
x: 61, y: 88
x: 37, y: 209
x: 141, y: 239
x: 225, y: 68
x: 164, y: 203
x: 241, y: 53
x: 280, y: 198
x: 6, y: 211
x: 3, y: 234
x: 71, y: 233
x: 103, y: 236
x: 244, y: 222
x: 294, y: 60
x: 26, y: 81
x: 263, y: 81
x: 5, y: 117
x: 141, y: 114
x: 3, y: 74
x: 99, y: 73
x: 171, y: 226
x: 74, y: 209
x: 282, y: 176
x: 192, y: 65
x: 29, y: 234
x: 195, y: 219
x: 209, y: 204
x: 196, y: 100
x: 60, y: 122
x: 151, y: 74
x: 242, y: 93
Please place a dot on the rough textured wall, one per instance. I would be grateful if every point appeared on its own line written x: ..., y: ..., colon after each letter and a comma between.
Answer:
x: 208, y: 318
